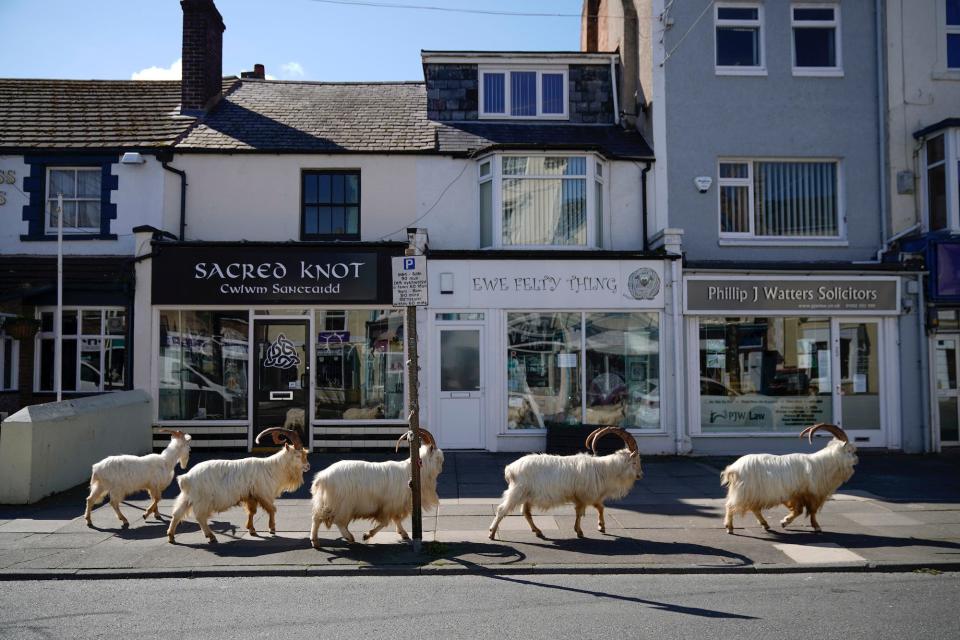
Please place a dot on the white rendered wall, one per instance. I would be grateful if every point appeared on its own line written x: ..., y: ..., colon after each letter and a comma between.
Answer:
x: 50, y: 447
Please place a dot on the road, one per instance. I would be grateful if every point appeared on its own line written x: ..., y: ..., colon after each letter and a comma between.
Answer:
x: 843, y: 605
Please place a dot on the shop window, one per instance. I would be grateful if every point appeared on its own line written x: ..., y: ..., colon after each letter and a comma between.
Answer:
x: 359, y: 365
x: 767, y: 200
x: 583, y: 368
x: 94, y: 356
x: 523, y: 93
x: 331, y: 205
x: 739, y: 39
x: 816, y: 39
x: 203, y: 363
x: 541, y: 201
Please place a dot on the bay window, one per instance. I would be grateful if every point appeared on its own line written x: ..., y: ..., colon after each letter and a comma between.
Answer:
x: 541, y: 201
x: 941, y: 179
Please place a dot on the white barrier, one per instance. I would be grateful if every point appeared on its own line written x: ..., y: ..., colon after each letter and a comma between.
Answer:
x: 50, y: 447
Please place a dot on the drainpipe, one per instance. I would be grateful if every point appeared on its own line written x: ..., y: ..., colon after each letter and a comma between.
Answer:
x: 616, y: 98
x: 882, y: 122
x: 643, y: 182
x: 183, y: 195
x: 926, y: 380
x: 681, y: 442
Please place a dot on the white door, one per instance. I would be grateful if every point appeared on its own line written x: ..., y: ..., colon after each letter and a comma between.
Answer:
x: 460, y: 392
x: 945, y: 366
x: 859, y: 381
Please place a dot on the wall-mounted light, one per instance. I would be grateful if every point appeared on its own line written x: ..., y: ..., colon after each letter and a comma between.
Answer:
x: 446, y: 282
x: 132, y: 157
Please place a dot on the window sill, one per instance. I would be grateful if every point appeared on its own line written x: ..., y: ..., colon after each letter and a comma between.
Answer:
x: 503, y: 116
x: 331, y: 238
x: 740, y: 71
x: 945, y: 74
x: 781, y: 242
x: 69, y: 237
x: 812, y: 72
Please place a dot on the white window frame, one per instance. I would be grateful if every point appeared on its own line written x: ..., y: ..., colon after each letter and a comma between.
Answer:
x: 942, y: 71
x: 496, y: 175
x: 11, y: 355
x: 759, y: 24
x: 951, y: 158
x: 49, y: 195
x: 837, y: 69
x: 79, y: 336
x: 750, y: 238
x: 506, y: 71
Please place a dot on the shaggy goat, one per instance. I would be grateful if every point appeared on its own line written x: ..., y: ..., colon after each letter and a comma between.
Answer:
x: 351, y: 490
x: 122, y: 475
x: 799, y: 481
x: 364, y: 413
x: 610, y: 414
x: 545, y: 481
x: 216, y: 485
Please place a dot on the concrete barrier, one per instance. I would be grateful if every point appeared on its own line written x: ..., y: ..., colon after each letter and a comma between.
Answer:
x: 50, y: 447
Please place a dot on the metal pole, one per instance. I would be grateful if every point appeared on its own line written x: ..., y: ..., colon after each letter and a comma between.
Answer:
x: 58, y: 320
x: 413, y: 399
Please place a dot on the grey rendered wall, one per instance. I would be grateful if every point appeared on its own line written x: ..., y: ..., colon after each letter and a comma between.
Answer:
x: 777, y: 115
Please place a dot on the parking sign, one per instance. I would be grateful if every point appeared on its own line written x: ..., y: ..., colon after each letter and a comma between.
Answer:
x: 410, y: 281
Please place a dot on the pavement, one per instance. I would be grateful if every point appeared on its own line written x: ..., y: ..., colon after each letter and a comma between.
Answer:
x: 897, y: 513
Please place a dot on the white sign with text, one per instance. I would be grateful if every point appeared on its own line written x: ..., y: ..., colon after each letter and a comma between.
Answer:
x: 410, y: 281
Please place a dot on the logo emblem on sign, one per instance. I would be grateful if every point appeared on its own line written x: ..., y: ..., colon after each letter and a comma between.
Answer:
x: 281, y: 354
x: 409, y: 263
x: 643, y: 284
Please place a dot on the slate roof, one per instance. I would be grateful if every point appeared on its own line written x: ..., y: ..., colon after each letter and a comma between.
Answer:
x: 91, y: 114
x: 274, y: 117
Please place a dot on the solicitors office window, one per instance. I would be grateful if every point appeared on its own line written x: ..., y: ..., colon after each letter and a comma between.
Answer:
x: 330, y: 209
x: 523, y: 93
x: 541, y: 201
x: 779, y: 199
x: 583, y: 368
x: 94, y: 356
x: 739, y: 39
x: 816, y: 40
x: 80, y: 188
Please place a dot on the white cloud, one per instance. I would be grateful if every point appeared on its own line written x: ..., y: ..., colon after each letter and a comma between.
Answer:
x: 173, y: 72
x: 292, y: 70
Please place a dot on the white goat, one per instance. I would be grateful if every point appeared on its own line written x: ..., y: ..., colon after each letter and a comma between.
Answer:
x: 123, y: 475
x: 363, y: 413
x: 610, y: 414
x: 799, y: 481
x: 545, y: 481
x: 216, y: 485
x: 351, y: 490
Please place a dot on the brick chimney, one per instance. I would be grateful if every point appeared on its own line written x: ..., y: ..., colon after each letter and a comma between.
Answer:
x: 259, y: 72
x: 202, y: 56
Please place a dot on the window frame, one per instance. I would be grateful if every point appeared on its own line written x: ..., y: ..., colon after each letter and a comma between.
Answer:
x: 304, y: 236
x: 951, y: 159
x: 507, y: 70
x: 835, y: 24
x: 750, y: 238
x: 496, y: 175
x: 49, y: 195
x: 943, y: 71
x: 759, y: 24
x: 79, y: 336
x: 11, y: 356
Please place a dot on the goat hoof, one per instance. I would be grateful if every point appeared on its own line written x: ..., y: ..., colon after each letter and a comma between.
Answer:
x: 212, y: 540
x: 730, y: 531
x: 315, y: 544
x: 146, y: 515
x: 273, y: 532
x: 579, y: 535
x: 366, y: 537
x: 492, y: 536
x: 540, y: 535
x: 818, y: 530
x: 90, y: 523
x: 253, y: 532
x: 125, y: 525
x: 171, y: 540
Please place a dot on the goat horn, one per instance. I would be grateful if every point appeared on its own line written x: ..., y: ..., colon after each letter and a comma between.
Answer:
x: 622, y: 433
x: 839, y: 433
x: 593, y: 434
x: 425, y: 436
x: 173, y: 432
x: 281, y: 435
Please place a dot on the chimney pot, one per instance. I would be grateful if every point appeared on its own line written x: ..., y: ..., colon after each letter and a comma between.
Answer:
x: 259, y: 72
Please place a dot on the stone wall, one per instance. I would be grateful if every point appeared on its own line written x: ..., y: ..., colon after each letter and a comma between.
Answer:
x: 591, y: 94
x: 452, y: 91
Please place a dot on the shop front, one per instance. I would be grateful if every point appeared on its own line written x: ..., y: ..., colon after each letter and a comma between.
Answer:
x: 248, y: 336
x: 520, y: 346
x: 768, y: 355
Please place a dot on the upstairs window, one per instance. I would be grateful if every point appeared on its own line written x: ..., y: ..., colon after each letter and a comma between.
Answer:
x: 953, y: 33
x: 739, y: 39
x: 80, y: 188
x: 541, y: 201
x: 941, y: 180
x: 816, y: 42
x: 330, y: 207
x: 523, y: 93
x: 783, y: 199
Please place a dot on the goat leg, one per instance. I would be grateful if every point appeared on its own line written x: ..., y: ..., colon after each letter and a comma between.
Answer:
x: 380, y: 525
x: 601, y: 525
x: 759, y: 516
x: 528, y: 514
x: 581, y: 509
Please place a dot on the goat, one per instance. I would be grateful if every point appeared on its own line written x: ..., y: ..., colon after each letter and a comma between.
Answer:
x: 799, y: 481
x: 351, y: 490
x: 611, y: 414
x: 545, y: 481
x: 216, y: 485
x: 125, y: 474
x: 363, y: 413
x: 294, y: 419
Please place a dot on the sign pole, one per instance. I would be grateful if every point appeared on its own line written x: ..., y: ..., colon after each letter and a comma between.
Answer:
x: 58, y: 320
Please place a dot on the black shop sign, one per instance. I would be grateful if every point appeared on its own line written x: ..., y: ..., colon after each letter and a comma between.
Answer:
x: 265, y: 275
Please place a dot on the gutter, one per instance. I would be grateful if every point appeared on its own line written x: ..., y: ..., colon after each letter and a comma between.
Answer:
x: 183, y: 195
x: 643, y: 182
x: 882, y: 123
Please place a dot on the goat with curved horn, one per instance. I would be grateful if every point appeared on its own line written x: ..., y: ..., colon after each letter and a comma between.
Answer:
x: 837, y: 432
x: 281, y: 435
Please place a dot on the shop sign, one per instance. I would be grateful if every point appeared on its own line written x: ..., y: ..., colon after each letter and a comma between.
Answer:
x: 752, y: 412
x: 808, y: 295
x: 262, y: 275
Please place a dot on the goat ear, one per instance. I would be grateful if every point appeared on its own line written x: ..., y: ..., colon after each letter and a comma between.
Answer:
x: 187, y: 437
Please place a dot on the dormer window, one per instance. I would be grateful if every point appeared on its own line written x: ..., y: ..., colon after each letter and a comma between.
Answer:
x: 523, y: 93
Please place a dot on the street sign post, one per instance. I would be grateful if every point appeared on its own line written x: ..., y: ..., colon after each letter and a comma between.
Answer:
x: 410, y: 291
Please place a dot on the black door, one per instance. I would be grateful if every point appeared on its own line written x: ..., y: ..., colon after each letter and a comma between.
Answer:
x: 281, y: 378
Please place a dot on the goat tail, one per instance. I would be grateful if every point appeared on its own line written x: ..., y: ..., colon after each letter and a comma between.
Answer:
x: 322, y: 510
x: 729, y: 477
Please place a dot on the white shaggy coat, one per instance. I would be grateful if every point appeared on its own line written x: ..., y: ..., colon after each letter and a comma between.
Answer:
x: 758, y: 481
x: 216, y: 485
x: 545, y: 481
x: 351, y: 490
x: 123, y: 475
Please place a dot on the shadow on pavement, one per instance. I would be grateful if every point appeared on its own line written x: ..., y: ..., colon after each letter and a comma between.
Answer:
x: 624, y: 546
x: 850, y: 541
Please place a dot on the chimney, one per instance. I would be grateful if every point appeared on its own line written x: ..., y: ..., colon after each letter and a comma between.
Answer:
x: 259, y: 72
x: 202, y: 79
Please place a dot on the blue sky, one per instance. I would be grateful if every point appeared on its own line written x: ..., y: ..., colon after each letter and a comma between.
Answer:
x: 295, y: 39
